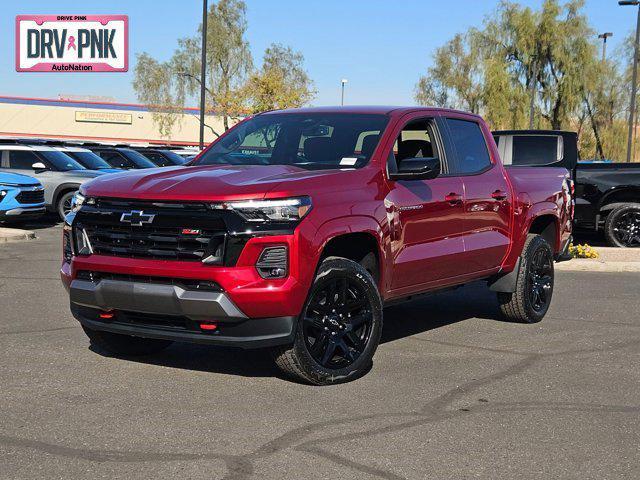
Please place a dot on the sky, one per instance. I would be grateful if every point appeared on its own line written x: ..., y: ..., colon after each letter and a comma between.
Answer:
x: 381, y: 47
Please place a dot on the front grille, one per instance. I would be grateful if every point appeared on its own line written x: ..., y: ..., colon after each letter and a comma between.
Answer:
x: 30, y: 196
x: 159, y: 243
x: 171, y: 231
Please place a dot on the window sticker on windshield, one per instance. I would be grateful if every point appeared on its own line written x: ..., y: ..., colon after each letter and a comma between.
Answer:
x: 350, y: 161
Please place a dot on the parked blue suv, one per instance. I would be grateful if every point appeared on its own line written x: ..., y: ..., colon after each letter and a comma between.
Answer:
x: 21, y: 197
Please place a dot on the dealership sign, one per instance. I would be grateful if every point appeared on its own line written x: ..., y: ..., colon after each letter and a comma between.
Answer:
x: 72, y: 43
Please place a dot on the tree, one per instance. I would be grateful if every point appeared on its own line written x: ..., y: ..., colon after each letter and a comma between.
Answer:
x: 233, y: 88
x: 157, y: 87
x: 454, y: 80
x: 228, y: 65
x: 551, y: 51
x: 282, y: 82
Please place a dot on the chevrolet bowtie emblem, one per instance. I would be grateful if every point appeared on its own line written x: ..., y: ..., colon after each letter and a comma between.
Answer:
x: 136, y: 218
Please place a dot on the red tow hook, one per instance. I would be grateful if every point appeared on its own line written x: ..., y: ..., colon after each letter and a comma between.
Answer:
x: 106, y: 315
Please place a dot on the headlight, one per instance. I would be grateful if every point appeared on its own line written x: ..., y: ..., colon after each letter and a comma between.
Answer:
x: 277, y: 210
x: 2, y: 193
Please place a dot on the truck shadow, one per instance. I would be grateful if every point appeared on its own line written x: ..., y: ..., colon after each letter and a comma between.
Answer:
x: 401, y: 321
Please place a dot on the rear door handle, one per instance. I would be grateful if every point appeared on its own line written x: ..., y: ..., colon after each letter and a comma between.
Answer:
x: 453, y: 198
x: 499, y: 195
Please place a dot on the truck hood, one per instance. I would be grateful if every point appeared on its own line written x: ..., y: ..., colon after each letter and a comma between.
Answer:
x: 215, y: 183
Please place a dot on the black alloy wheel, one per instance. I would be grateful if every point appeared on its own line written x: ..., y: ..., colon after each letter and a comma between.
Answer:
x: 337, y: 323
x: 339, y: 328
x: 626, y: 228
x: 540, y: 279
x: 531, y: 298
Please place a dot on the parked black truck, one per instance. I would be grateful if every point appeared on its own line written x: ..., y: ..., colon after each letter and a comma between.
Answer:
x: 607, y: 195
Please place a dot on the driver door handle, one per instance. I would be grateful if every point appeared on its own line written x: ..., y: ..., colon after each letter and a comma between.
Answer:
x: 499, y: 195
x: 453, y: 198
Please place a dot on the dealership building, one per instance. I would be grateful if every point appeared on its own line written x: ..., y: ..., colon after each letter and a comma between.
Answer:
x: 101, y: 121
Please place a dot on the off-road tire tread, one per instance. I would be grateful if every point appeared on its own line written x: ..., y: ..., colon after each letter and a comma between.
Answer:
x: 300, y: 366
x: 514, y: 306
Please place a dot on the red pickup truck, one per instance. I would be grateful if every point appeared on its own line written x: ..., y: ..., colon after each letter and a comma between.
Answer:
x: 296, y: 227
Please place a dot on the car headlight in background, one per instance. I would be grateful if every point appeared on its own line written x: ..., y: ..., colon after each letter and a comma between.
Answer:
x: 3, y: 193
x: 276, y: 210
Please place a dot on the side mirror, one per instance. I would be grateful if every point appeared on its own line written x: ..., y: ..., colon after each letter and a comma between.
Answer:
x: 39, y: 166
x: 417, y: 169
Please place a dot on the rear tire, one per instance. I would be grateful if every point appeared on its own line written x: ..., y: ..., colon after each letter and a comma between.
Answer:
x: 124, y: 344
x: 530, y: 301
x: 622, y: 227
x: 64, y: 204
x: 339, y: 328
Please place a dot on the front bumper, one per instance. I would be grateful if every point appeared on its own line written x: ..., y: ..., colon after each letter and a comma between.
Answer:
x: 246, y: 334
x: 22, y: 212
x: 173, y: 313
x: 154, y: 298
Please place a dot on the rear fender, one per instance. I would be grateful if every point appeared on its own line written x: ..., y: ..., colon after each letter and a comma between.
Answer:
x: 528, y: 215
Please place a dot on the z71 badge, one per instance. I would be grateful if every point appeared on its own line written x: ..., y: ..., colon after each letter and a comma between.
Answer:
x: 72, y: 43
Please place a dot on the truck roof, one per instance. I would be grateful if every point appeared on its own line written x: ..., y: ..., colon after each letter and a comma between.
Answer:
x: 533, y: 132
x: 366, y: 109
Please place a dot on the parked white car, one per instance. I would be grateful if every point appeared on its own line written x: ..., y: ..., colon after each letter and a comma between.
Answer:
x: 60, y: 174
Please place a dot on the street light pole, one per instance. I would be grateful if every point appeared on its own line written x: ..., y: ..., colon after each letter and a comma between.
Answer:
x: 634, y: 80
x: 344, y: 81
x: 604, y: 37
x: 203, y: 71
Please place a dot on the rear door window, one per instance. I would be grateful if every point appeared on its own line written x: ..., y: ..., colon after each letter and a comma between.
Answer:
x: 22, y: 159
x: 472, y: 155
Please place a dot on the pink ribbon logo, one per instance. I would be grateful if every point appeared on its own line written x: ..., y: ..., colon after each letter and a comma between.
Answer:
x: 72, y: 43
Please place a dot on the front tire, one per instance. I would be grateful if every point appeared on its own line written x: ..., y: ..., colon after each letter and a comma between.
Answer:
x: 65, y: 204
x: 124, y: 344
x: 339, y: 328
x: 622, y: 227
x: 531, y: 299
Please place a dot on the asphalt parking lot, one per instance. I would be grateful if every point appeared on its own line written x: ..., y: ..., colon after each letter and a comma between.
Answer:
x: 454, y: 393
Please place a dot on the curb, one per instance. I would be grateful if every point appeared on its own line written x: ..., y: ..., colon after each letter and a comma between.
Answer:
x: 586, y: 265
x: 610, y: 259
x: 15, y: 235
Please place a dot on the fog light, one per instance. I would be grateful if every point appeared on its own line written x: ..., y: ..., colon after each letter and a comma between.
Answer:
x: 106, y: 315
x: 208, y: 326
x: 273, y: 262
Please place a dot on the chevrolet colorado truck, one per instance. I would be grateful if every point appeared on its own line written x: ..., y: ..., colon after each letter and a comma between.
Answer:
x: 295, y: 228
x: 607, y: 194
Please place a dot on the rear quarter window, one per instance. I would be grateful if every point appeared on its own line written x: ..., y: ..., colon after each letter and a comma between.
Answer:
x: 534, y: 150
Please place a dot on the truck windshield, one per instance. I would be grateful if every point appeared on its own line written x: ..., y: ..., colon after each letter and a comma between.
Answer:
x: 306, y: 140
x: 60, y: 161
